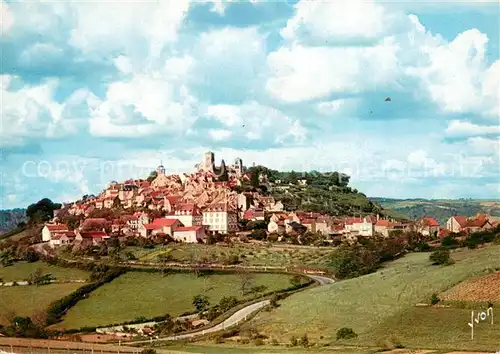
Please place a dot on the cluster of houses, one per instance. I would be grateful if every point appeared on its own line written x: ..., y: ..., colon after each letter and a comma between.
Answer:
x: 194, y: 205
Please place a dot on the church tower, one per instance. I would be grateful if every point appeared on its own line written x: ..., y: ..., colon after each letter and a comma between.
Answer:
x: 160, y: 170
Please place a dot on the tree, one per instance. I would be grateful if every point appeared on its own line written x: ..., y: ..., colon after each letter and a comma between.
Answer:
x: 152, y: 176
x: 226, y: 303
x: 41, y: 211
x: 296, y: 280
x: 201, y: 303
x: 246, y: 281
x: 346, y: 333
x: 304, y: 340
x: 441, y: 257
x: 258, y: 234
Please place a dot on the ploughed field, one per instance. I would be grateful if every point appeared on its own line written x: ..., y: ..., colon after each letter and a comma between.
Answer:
x: 484, y: 288
x: 140, y: 294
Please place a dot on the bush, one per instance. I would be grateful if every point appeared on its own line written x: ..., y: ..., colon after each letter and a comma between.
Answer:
x: 434, y: 299
x: 441, y: 257
x: 449, y: 241
x: 148, y: 351
x: 304, y: 340
x: 258, y: 342
x: 218, y: 340
x: 294, y: 341
x: 346, y: 333
x: 259, y: 234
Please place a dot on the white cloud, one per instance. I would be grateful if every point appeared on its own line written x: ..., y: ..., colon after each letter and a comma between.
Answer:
x: 219, y: 134
x: 145, y: 105
x: 302, y: 73
x: 124, y: 64
x: 337, y: 20
x: 484, y: 146
x: 336, y: 107
x: 254, y: 121
x: 30, y: 112
x: 6, y: 18
x: 459, y: 129
x: 451, y: 74
x: 105, y: 27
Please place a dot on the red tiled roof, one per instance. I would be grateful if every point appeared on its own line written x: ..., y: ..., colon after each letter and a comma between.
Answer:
x: 57, y: 227
x: 430, y: 222
x: 461, y: 220
x: 163, y: 222
x: 477, y: 223
x: 173, y: 199
x: 93, y: 234
x: 384, y: 223
x: 308, y: 221
x: 96, y: 220
x: 188, y: 228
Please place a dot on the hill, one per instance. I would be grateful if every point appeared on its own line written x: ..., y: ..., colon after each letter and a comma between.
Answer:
x: 324, y: 192
x: 380, y: 307
x: 441, y: 209
x: 10, y: 219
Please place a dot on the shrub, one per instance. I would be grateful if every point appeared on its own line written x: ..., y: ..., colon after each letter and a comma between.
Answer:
x: 274, y: 341
x: 304, y: 340
x: 258, y: 234
x: 294, y: 341
x: 449, y: 241
x: 218, y: 340
x: 201, y: 303
x: 434, y: 299
x: 148, y: 351
x: 441, y: 257
x: 258, y: 342
x: 346, y: 333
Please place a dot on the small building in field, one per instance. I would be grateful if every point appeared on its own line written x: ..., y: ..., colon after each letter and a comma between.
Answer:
x: 190, y: 234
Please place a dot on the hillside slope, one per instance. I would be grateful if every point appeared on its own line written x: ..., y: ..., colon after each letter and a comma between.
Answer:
x: 10, y: 219
x: 375, y: 305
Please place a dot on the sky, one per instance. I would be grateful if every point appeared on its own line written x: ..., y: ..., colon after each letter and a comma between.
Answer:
x: 404, y: 96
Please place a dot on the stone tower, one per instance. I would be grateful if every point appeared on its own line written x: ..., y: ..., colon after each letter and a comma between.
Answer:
x: 208, y: 161
x: 238, y: 166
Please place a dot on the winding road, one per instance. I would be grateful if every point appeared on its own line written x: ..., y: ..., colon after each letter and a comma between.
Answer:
x: 234, y: 319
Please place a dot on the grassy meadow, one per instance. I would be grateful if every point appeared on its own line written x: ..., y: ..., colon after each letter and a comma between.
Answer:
x: 30, y: 300
x: 22, y: 270
x: 138, y: 294
x: 380, y: 307
x: 275, y: 255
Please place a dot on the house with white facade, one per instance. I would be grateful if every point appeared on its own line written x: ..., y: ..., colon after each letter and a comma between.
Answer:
x: 218, y: 218
x: 190, y: 234
x: 51, y: 230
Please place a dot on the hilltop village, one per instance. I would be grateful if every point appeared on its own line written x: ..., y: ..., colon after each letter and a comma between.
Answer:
x: 189, y: 207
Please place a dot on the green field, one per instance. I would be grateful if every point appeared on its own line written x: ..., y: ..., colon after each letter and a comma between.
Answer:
x: 275, y: 255
x: 230, y: 348
x: 380, y: 306
x: 22, y: 270
x: 137, y: 294
x: 28, y: 300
